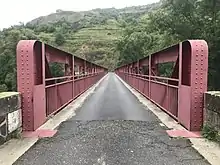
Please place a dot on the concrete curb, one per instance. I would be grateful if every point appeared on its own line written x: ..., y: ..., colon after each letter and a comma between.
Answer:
x: 13, y: 149
x: 209, y: 150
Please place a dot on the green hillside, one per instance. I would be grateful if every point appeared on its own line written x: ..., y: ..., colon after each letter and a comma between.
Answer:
x: 94, y: 16
x: 91, y: 34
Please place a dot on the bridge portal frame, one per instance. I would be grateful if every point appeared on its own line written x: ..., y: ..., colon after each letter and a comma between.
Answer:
x: 181, y: 94
x: 43, y: 94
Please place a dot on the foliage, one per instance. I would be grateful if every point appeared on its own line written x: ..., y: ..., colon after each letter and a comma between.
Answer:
x: 133, y: 46
x: 3, y: 88
x: 211, y: 133
x: 59, y: 39
x: 8, y: 41
x: 57, y: 69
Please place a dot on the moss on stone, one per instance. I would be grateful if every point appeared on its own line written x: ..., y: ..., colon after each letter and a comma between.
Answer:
x: 211, y: 133
x: 15, y: 134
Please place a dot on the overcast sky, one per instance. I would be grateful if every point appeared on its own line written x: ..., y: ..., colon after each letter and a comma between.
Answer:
x: 14, y: 11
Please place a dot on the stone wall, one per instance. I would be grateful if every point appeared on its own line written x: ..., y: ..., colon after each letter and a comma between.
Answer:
x: 10, y: 115
x: 212, y: 110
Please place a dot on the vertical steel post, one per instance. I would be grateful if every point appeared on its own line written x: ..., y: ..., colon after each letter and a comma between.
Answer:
x: 180, y: 74
x: 149, y: 69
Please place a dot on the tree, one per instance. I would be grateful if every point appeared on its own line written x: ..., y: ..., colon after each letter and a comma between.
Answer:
x: 197, y: 19
x: 59, y: 39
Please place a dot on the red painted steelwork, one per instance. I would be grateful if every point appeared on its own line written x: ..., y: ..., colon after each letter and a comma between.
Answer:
x: 43, y: 94
x: 181, y: 94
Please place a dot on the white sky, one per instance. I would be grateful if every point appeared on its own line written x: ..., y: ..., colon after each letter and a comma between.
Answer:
x: 14, y: 11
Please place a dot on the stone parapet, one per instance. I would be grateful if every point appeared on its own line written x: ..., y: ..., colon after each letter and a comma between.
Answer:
x: 10, y: 115
x: 212, y: 109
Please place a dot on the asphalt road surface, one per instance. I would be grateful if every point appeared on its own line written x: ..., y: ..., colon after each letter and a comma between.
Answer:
x: 112, y: 128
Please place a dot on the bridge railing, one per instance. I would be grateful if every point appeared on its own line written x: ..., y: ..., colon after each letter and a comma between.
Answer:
x: 163, y: 94
x: 58, y: 94
x: 43, y: 94
x: 83, y: 83
x: 181, y: 94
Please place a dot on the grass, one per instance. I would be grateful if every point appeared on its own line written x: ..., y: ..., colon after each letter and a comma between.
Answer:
x: 98, y: 41
x: 211, y: 133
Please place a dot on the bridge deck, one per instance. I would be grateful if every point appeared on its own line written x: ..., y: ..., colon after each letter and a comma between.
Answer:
x: 99, y: 134
x: 113, y: 101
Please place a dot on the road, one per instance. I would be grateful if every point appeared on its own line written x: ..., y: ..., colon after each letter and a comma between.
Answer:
x: 112, y: 128
x: 113, y: 101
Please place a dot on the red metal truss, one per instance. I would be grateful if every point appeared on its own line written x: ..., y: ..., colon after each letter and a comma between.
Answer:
x: 181, y: 94
x: 43, y: 94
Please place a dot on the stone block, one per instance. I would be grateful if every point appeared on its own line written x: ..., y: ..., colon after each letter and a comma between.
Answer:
x: 212, y: 109
x: 14, y: 120
x: 9, y: 102
x: 3, y: 129
x: 10, y: 115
